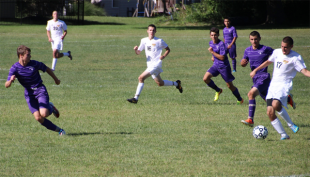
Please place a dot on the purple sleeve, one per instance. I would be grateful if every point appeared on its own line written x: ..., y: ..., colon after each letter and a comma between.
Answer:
x: 41, y: 66
x: 222, y: 49
x: 11, y: 72
x: 270, y: 51
x: 245, y: 56
x: 235, y: 32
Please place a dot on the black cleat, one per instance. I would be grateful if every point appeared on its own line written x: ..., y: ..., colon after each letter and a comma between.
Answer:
x: 179, y: 86
x: 132, y: 100
x: 70, y: 56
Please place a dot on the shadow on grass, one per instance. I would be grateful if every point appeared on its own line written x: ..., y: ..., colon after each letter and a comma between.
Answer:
x: 98, y: 133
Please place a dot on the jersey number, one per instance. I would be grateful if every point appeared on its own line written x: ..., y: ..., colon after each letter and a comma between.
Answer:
x: 279, y: 64
x: 55, y: 28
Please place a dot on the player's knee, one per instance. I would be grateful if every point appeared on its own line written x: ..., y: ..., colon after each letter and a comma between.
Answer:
x: 39, y: 118
x: 160, y: 84
x: 250, y: 96
x: 141, y: 79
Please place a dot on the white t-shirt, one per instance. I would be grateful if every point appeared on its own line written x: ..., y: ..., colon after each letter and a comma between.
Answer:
x: 286, y: 66
x: 153, y: 49
x: 56, y: 28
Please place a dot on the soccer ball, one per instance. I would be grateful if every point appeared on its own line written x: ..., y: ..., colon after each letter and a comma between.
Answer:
x: 260, y: 132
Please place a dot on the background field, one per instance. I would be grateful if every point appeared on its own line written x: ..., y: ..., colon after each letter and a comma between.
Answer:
x: 166, y: 133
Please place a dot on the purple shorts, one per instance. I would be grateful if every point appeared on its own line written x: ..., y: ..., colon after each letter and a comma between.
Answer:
x: 224, y: 71
x: 37, y: 98
x: 262, y: 82
x: 232, y: 51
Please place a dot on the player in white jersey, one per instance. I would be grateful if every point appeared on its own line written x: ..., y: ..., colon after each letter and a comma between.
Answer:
x: 286, y: 64
x: 153, y: 48
x: 56, y: 32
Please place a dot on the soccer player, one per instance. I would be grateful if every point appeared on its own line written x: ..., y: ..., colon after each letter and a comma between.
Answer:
x: 153, y: 48
x: 257, y: 54
x: 56, y: 33
x: 286, y: 64
x: 230, y: 36
x: 27, y: 73
x: 220, y: 66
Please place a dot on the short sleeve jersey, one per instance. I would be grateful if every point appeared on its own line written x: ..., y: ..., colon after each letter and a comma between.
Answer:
x: 56, y: 28
x: 286, y: 66
x: 153, y: 49
x: 258, y: 56
x: 229, y: 34
x: 219, y: 48
x: 28, y: 76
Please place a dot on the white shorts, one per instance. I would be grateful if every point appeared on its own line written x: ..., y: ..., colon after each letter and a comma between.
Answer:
x: 155, y: 71
x: 279, y: 91
x: 57, y: 44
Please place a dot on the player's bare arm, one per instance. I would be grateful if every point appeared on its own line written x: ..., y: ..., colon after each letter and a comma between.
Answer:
x: 232, y: 42
x: 51, y: 73
x: 305, y: 72
x: 220, y: 57
x: 165, y: 54
x: 263, y: 65
x: 9, y: 83
x: 64, y: 35
x: 244, y: 62
x: 136, y: 50
x: 49, y: 36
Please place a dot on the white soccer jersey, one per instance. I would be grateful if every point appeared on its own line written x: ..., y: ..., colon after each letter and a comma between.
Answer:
x: 286, y: 66
x: 153, y: 49
x: 56, y: 28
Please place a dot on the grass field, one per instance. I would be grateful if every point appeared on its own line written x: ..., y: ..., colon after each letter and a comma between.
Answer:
x: 166, y: 133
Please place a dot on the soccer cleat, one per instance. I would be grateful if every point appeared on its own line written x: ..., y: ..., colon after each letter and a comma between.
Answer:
x: 70, y: 56
x: 285, y: 137
x: 132, y: 100
x: 291, y: 102
x: 294, y: 128
x: 234, y: 71
x: 61, y: 132
x: 217, y: 94
x: 55, y: 110
x: 240, y: 102
x: 248, y: 122
x: 179, y: 86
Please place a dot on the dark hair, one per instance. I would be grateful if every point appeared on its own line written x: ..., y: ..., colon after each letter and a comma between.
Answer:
x: 21, y: 50
x: 227, y: 18
x: 255, y: 33
x: 288, y: 40
x: 152, y: 25
x: 215, y: 30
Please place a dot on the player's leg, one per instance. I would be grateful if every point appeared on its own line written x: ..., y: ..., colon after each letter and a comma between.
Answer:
x: 273, y: 106
x: 161, y: 82
x: 212, y: 72
x: 252, y: 106
x: 233, y: 55
x: 140, y: 86
x: 235, y: 92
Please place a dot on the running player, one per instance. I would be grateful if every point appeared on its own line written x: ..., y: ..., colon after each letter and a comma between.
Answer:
x: 230, y: 36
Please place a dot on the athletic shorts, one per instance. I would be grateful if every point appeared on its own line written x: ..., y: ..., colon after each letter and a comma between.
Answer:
x: 37, y: 98
x: 154, y: 70
x: 262, y: 83
x: 57, y: 44
x: 279, y: 91
x: 232, y: 51
x: 224, y: 71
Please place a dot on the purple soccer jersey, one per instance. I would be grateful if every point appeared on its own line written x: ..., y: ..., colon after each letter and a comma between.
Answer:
x: 229, y: 34
x: 29, y: 77
x: 256, y: 57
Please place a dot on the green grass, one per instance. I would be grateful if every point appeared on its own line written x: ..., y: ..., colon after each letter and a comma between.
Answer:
x: 166, y: 133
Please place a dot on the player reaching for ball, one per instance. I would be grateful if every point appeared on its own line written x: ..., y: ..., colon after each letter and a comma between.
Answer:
x: 153, y: 48
x: 27, y: 73
x: 286, y: 64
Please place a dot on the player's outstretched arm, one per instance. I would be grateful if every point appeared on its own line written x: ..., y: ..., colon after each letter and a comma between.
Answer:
x: 263, y: 65
x: 305, y: 72
x: 165, y: 54
x: 9, y: 83
x: 51, y: 73
x: 136, y: 50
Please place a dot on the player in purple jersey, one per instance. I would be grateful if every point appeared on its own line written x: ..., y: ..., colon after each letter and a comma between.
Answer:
x: 220, y: 66
x: 230, y: 36
x: 27, y: 73
x: 257, y: 54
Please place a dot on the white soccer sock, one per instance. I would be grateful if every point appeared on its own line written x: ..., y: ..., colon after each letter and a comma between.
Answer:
x: 66, y: 54
x: 170, y: 83
x: 54, y: 63
x: 139, y: 90
x: 283, y: 113
x: 278, y: 126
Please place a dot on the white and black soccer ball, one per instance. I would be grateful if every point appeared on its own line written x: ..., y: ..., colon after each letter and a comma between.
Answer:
x: 260, y: 132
